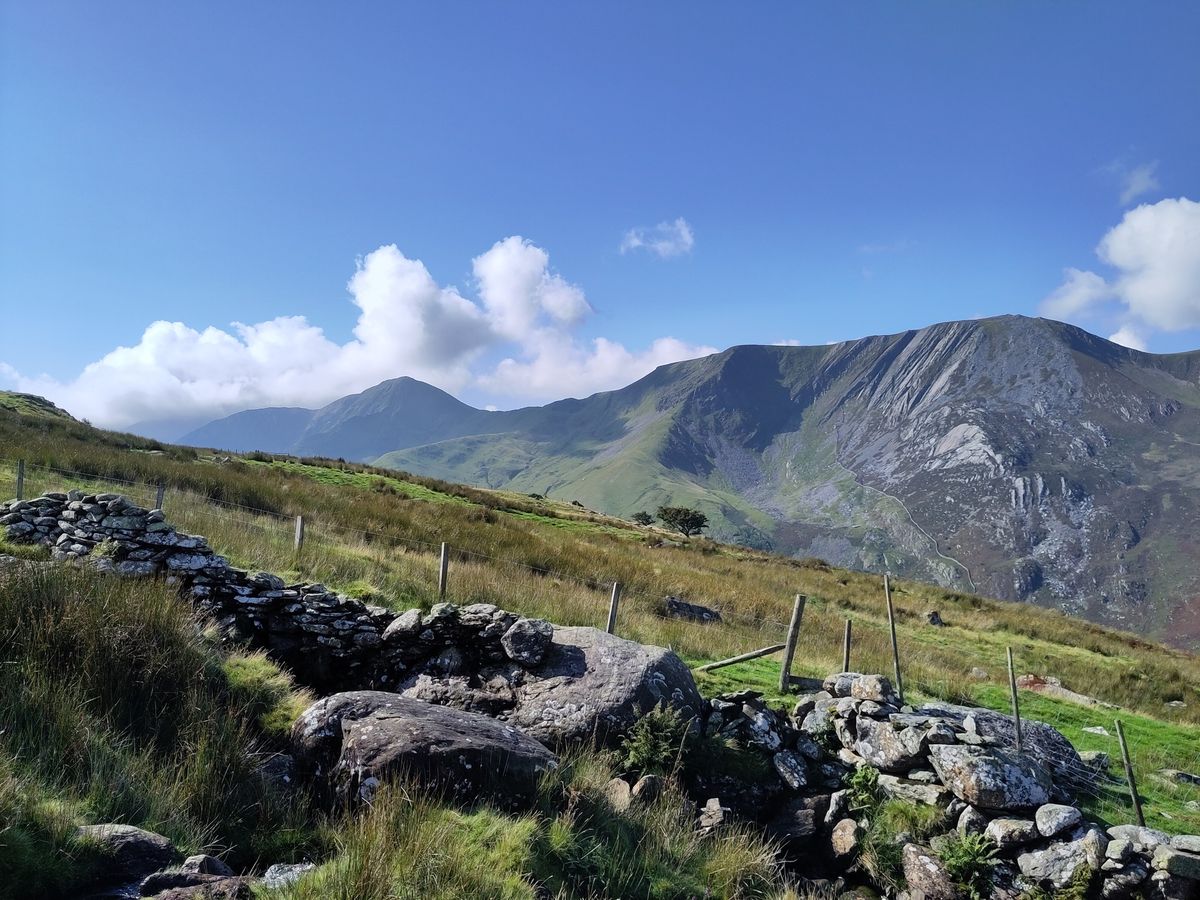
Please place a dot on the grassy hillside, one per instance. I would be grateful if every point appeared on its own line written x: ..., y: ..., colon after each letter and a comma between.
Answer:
x: 375, y: 532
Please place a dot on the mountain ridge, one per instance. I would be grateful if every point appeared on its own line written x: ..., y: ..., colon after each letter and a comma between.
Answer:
x: 1021, y: 457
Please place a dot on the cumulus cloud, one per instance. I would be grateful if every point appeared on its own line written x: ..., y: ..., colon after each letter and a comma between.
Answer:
x: 1154, y: 284
x: 1128, y: 336
x: 1080, y: 291
x: 666, y: 239
x: 407, y: 324
x: 555, y: 366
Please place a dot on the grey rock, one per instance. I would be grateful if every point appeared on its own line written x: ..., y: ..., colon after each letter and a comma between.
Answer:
x: 1055, y: 818
x: 1176, y: 862
x: 592, y: 683
x: 989, y: 778
x: 914, y: 791
x: 282, y: 874
x: 1188, y: 843
x: 1119, y: 850
x: 971, y: 821
x: 1123, y: 883
x: 129, y: 852
x: 791, y: 769
x: 844, y: 839
x: 527, y: 640
x: 203, y: 864
x: 1144, y: 840
x: 347, y: 738
x: 1055, y: 865
x: 926, y: 876
x: 1007, y: 833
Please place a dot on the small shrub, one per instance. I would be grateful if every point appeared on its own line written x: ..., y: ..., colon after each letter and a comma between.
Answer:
x: 642, y: 518
x: 969, y: 859
x: 106, y: 549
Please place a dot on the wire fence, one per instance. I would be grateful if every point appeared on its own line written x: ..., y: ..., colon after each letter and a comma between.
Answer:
x: 259, y: 536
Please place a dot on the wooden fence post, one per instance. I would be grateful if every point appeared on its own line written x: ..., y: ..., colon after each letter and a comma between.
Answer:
x: 611, y: 628
x: 443, y: 570
x: 887, y: 593
x: 846, y: 648
x: 299, y: 542
x: 20, y: 479
x: 1012, y: 688
x: 158, y: 499
x: 1133, y: 791
x: 789, y: 649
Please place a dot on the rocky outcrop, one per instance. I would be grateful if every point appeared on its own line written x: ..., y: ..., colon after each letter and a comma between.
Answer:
x: 350, y: 742
x: 593, y: 682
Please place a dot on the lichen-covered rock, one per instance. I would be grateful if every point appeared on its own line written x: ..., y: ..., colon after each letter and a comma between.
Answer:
x: 1007, y: 833
x: 887, y: 749
x: 1055, y: 818
x: 351, y: 741
x: 926, y: 876
x: 592, y: 683
x: 989, y: 778
x: 1055, y: 865
x: 527, y: 640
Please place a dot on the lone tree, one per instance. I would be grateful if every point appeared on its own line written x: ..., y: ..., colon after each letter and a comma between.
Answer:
x: 642, y: 518
x: 682, y: 519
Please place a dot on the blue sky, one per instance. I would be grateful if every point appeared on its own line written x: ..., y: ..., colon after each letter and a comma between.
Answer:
x: 821, y: 172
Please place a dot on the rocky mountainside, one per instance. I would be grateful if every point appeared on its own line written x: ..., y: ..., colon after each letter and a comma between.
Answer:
x: 1016, y: 457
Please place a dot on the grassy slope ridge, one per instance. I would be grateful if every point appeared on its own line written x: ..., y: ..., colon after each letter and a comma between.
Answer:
x: 343, y: 502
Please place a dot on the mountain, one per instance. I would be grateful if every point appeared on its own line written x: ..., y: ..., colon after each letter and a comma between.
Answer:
x: 1017, y: 457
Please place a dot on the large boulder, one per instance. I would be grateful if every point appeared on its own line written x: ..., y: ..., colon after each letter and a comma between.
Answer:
x: 1040, y: 742
x: 594, y: 684
x: 989, y: 778
x: 351, y: 741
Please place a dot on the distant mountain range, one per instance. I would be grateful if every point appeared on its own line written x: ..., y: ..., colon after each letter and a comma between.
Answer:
x: 1020, y: 458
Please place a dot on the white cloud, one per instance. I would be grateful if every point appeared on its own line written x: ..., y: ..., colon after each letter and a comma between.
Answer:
x: 1080, y: 291
x: 556, y: 366
x: 518, y: 288
x: 1138, y: 181
x: 1154, y: 254
x: 1128, y: 336
x: 407, y: 325
x: 666, y: 239
x: 787, y: 342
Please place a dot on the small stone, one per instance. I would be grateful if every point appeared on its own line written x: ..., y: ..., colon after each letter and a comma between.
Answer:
x: 618, y: 794
x: 282, y: 874
x: 1120, y: 851
x: 527, y: 641
x: 791, y: 769
x: 844, y: 838
x: 647, y: 789
x: 1055, y: 818
x: 972, y: 821
x: 1188, y: 843
x: 1011, y: 832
